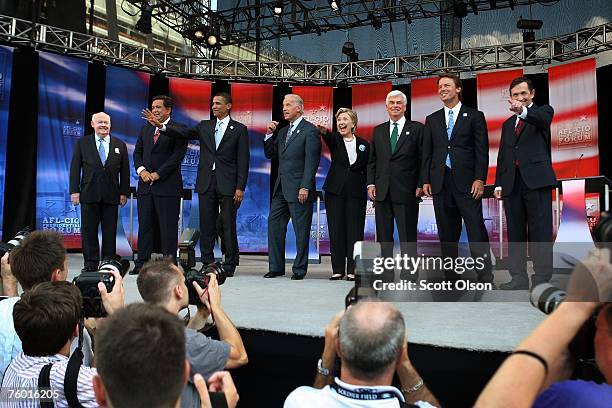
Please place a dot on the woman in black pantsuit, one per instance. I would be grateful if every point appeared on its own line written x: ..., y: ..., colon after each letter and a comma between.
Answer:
x: 345, y: 191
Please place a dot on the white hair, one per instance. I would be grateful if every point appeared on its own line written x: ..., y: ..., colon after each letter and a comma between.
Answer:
x: 396, y: 93
x: 298, y: 99
x: 93, y: 117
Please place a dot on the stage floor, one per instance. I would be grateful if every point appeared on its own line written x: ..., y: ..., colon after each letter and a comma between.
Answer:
x: 304, y: 307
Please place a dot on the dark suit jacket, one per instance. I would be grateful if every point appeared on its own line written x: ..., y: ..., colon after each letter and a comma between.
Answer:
x: 97, y: 183
x: 298, y: 160
x: 468, y: 149
x: 396, y: 175
x: 164, y: 157
x: 342, y: 176
x: 531, y: 149
x: 231, y: 158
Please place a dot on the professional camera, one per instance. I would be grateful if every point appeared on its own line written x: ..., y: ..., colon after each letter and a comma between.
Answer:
x: 8, y: 246
x: 602, y: 234
x: 187, y: 259
x: 87, y: 282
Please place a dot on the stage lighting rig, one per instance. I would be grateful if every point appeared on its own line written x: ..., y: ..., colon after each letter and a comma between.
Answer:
x: 528, y: 27
x: 278, y: 9
x: 335, y: 5
x: 348, y: 49
x: 460, y: 10
x: 144, y: 22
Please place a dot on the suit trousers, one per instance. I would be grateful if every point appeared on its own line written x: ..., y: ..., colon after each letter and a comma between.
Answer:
x: 157, y: 213
x: 345, y: 221
x: 406, y: 216
x: 211, y: 203
x: 281, y: 211
x: 529, y: 219
x: 93, y: 215
x: 450, y: 207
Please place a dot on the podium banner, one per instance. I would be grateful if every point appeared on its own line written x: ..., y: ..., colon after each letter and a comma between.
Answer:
x: 253, y: 107
x: 6, y: 71
x: 62, y: 88
x: 574, y: 133
x: 493, y: 93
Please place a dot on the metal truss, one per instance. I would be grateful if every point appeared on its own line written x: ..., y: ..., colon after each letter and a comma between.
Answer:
x: 242, y: 21
x: 562, y: 48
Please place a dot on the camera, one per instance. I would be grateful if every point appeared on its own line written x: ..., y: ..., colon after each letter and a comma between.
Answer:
x: 87, y: 282
x: 187, y: 259
x: 202, y: 278
x: 8, y: 246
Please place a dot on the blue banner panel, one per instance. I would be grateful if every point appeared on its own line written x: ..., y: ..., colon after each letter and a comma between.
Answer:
x: 62, y: 87
x: 6, y: 70
x: 126, y: 95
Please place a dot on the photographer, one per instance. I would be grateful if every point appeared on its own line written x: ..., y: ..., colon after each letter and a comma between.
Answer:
x: 370, y: 339
x: 41, y: 257
x: 162, y: 283
x: 539, y: 359
x: 125, y: 379
x: 46, y: 319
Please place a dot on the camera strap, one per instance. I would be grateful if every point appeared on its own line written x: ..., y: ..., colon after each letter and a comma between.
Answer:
x: 368, y: 394
x: 44, y: 381
x: 72, y: 371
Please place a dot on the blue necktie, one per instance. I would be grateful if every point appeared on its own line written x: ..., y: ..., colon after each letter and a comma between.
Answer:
x: 218, y: 134
x: 101, y: 152
x: 449, y: 132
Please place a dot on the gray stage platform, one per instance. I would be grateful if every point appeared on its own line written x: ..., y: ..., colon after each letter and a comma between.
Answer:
x: 304, y: 307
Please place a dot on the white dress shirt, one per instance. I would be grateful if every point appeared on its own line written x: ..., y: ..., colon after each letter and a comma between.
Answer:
x: 105, y: 145
x: 400, y: 125
x: 455, y: 110
x: 351, y: 149
x: 225, y: 124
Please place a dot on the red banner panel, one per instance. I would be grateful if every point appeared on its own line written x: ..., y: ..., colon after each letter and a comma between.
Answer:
x: 573, y: 95
x: 424, y: 98
x: 493, y: 94
x: 369, y: 103
x: 191, y: 100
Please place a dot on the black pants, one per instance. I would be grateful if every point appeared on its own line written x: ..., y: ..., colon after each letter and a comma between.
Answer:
x: 345, y: 222
x: 281, y: 211
x: 92, y: 215
x: 451, y: 206
x: 529, y: 219
x: 157, y: 213
x: 406, y: 215
x: 211, y: 203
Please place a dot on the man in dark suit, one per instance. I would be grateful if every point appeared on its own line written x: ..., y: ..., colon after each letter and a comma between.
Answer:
x: 455, y: 165
x: 222, y: 174
x: 99, y: 181
x: 157, y: 159
x: 394, y: 176
x: 297, y: 148
x: 524, y: 180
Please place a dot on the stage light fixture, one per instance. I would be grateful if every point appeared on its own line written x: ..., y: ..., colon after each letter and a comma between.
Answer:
x: 348, y: 49
x: 376, y: 23
x: 527, y: 24
x: 212, y: 40
x: 144, y: 22
x: 198, y: 34
x: 278, y: 9
x: 460, y: 10
x: 335, y: 5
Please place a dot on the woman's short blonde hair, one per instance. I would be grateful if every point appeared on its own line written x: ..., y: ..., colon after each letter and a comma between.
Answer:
x: 351, y: 114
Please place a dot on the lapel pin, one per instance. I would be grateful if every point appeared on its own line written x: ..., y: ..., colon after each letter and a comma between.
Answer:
x: 407, y: 132
x: 117, y: 150
x: 297, y: 131
x: 231, y: 127
x: 464, y: 115
x: 362, y: 148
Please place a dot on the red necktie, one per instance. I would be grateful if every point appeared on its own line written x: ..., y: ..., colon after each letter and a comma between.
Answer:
x: 156, y: 135
x: 518, y: 127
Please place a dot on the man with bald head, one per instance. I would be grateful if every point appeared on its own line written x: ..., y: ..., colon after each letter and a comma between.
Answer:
x: 297, y: 147
x: 99, y: 181
x: 370, y: 339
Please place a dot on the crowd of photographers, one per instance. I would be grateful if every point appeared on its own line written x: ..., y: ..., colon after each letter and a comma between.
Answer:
x: 146, y: 356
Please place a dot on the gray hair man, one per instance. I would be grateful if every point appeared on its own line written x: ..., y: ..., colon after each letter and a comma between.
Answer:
x: 370, y: 339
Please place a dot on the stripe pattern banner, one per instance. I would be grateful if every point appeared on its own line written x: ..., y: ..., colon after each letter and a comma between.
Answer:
x: 574, y: 133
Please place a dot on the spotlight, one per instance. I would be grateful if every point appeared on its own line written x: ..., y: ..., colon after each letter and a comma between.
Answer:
x: 526, y: 24
x: 376, y: 23
x: 212, y: 40
x: 335, y: 5
x: 348, y: 49
x: 198, y: 34
x: 144, y: 22
x: 460, y: 10
x: 278, y: 9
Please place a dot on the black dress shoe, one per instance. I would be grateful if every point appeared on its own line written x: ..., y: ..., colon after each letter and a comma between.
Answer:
x: 337, y: 276
x: 297, y: 277
x: 273, y: 274
x: 135, y: 271
x: 515, y: 284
